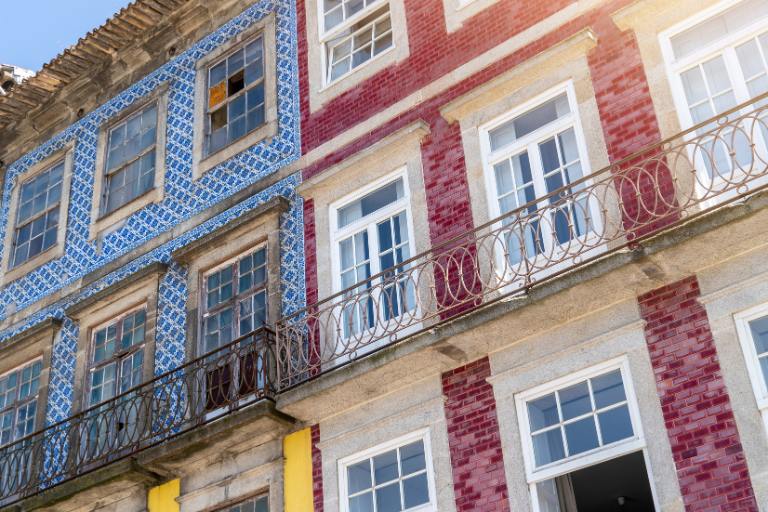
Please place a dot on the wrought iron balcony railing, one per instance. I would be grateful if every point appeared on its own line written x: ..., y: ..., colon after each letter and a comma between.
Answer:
x: 199, y: 392
x: 695, y: 171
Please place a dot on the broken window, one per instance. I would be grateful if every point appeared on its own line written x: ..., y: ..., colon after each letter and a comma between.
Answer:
x: 130, y: 167
x: 235, y: 99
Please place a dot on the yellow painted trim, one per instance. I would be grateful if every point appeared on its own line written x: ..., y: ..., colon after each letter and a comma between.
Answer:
x: 297, y: 450
x: 163, y: 497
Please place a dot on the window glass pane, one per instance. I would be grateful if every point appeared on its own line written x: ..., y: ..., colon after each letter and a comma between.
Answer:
x: 412, y: 458
x: 581, y: 436
x: 717, y: 75
x: 359, y: 476
x: 575, y: 401
x: 750, y: 59
x: 218, y: 330
x: 385, y: 467
x: 361, y: 503
x: 530, y: 121
x: 371, y: 203
x: 416, y: 491
x: 759, y: 330
x: 548, y: 447
x: 764, y: 367
x: 388, y: 498
x: 131, y: 137
x: 615, y: 424
x: 253, y: 270
x: 608, y: 389
x: 543, y: 412
x: 728, y: 22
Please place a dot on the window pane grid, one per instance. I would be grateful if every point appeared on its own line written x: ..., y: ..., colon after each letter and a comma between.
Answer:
x: 358, y: 43
x: 417, y: 495
x: 130, y: 167
x: 18, y: 402
x: 234, y: 300
x: 37, y: 216
x: 236, y: 96
x: 117, y: 358
x: 533, y: 155
x: 547, y: 453
x: 380, y: 243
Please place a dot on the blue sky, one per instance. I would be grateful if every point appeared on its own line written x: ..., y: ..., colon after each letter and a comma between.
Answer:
x: 35, y: 31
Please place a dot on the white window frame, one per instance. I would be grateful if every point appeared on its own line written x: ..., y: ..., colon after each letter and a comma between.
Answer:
x: 674, y: 69
x: 35, y: 398
x: 369, y: 222
x: 594, y: 456
x: 744, y: 332
x: 423, y: 435
x: 573, y: 119
x: 325, y: 35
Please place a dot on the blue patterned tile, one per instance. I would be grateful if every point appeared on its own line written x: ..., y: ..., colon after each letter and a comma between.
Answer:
x: 184, y: 197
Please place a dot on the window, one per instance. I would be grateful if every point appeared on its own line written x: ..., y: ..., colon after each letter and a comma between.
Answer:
x: 259, y: 504
x: 235, y: 103
x: 579, y: 418
x: 578, y: 431
x: 234, y: 300
x: 37, y: 215
x: 752, y: 327
x: 352, y: 32
x: 528, y: 156
x: 391, y: 478
x: 116, y: 367
x: 18, y: 402
x: 235, y: 304
x: 117, y: 357
x: 129, y: 171
x: 372, y: 235
x: 715, y: 65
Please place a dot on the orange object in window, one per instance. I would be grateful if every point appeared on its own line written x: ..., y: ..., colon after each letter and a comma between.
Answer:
x: 217, y: 94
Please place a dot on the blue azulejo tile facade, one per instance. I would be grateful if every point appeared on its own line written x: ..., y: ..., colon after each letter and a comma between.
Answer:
x: 184, y: 196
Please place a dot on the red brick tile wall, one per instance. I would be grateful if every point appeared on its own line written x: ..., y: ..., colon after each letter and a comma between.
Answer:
x: 310, y: 246
x: 623, y: 98
x: 697, y: 411
x: 311, y: 284
x: 433, y: 53
x: 317, y: 470
x: 479, y: 483
x: 629, y: 124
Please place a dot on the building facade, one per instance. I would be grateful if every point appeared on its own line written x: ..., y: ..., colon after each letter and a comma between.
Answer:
x: 389, y: 255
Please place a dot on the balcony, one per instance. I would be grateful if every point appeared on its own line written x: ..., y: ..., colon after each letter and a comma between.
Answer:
x: 652, y: 191
x: 624, y: 205
x: 200, y: 392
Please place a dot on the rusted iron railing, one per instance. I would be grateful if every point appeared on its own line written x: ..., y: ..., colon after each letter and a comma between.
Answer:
x: 662, y: 185
x: 201, y: 391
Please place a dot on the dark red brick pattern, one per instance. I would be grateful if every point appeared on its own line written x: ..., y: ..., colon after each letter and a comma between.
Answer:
x: 479, y: 482
x: 317, y: 470
x: 697, y: 411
